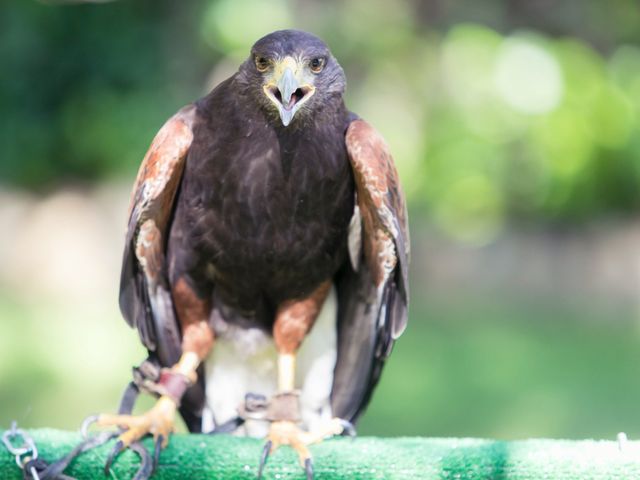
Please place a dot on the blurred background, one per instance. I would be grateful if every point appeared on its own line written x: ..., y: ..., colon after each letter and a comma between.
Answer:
x: 515, y: 126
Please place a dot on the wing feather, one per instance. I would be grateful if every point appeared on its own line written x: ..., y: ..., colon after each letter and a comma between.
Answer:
x: 145, y: 299
x: 382, y: 206
x: 373, y: 294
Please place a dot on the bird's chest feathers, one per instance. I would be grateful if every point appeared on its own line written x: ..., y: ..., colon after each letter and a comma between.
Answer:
x: 290, y: 181
x: 269, y: 204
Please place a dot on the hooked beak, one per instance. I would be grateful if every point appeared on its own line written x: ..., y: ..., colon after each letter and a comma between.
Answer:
x: 287, y: 90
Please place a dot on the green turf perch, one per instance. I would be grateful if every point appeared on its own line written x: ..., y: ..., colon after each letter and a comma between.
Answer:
x: 219, y: 457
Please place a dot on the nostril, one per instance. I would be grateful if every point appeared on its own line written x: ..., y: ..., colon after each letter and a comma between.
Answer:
x: 298, y: 94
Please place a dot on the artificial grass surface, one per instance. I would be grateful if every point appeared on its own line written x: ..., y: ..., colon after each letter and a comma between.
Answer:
x: 222, y: 457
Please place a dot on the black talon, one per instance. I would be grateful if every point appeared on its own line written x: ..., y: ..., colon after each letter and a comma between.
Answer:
x: 117, y: 448
x: 348, y: 427
x: 308, y: 468
x: 146, y: 464
x: 263, y: 458
x: 156, y: 452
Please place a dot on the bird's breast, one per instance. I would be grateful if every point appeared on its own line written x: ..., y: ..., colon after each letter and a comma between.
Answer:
x: 283, y: 216
x: 272, y: 218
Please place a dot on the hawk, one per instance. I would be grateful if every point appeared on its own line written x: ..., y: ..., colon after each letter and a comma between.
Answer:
x: 267, y: 251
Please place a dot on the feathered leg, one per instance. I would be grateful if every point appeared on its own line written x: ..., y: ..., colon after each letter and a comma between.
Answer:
x: 294, y: 319
x: 197, y: 340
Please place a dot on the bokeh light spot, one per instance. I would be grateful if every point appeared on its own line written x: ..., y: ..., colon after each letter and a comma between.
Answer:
x: 230, y: 25
x: 528, y: 77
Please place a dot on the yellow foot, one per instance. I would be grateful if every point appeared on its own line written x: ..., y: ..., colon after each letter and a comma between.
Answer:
x: 159, y: 422
x: 288, y: 433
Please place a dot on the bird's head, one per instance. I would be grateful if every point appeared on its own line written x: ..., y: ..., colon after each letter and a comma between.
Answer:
x: 293, y: 73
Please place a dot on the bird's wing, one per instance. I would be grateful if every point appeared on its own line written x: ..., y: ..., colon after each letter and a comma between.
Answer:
x: 373, y: 287
x: 145, y: 299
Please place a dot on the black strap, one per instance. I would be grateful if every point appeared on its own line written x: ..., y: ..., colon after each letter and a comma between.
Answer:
x: 128, y: 399
x: 53, y: 471
x: 40, y: 466
x: 229, y: 426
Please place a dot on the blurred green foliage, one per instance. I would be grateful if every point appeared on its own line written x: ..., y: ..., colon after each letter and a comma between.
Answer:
x: 529, y: 369
x: 512, y: 111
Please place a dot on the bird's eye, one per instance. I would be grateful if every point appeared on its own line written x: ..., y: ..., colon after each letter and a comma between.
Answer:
x: 262, y: 64
x: 316, y: 64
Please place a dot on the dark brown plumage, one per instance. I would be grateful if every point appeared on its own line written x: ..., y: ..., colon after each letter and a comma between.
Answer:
x: 263, y: 213
x: 254, y: 196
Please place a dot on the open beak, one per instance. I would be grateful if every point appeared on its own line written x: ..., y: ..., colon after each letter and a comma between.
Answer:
x: 287, y: 89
